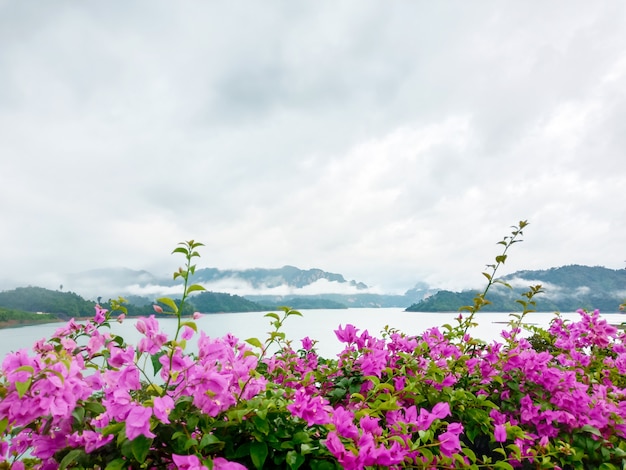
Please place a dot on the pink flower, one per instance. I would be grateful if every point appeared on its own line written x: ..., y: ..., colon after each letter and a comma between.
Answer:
x: 162, y: 406
x: 188, y: 462
x: 220, y: 463
x: 138, y: 422
x: 449, y: 440
x: 197, y: 315
x: 347, y: 334
x: 499, y: 433
x: 307, y: 343
x: 187, y: 333
x: 100, y: 314
x: 312, y: 409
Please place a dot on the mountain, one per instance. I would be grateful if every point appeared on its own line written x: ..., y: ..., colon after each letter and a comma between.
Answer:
x: 263, y: 278
x: 141, y: 285
x: 566, y: 289
x: 36, y: 304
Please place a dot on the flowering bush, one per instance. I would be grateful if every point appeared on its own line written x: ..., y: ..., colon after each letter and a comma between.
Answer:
x: 442, y: 399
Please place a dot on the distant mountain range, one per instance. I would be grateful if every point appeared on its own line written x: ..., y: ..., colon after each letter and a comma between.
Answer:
x: 566, y: 289
x: 289, y: 285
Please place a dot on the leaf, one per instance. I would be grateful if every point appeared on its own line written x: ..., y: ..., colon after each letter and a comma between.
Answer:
x: 207, y: 440
x: 70, y: 457
x: 273, y: 315
x: 190, y: 324
x: 182, y: 250
x: 294, y: 459
x: 488, y: 276
x: 140, y: 447
x: 503, y: 464
x: 194, y: 288
x: 22, y: 387
x: 258, y: 454
x: 169, y: 302
x: 156, y: 364
x: 591, y: 429
x: 501, y: 259
x: 255, y: 342
x: 117, y: 464
x: 3, y: 425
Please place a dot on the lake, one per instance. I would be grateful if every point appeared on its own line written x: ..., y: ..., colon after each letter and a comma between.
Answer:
x: 316, y: 324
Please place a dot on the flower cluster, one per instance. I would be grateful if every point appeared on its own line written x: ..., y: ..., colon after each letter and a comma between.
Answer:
x: 390, y: 402
x: 85, y: 398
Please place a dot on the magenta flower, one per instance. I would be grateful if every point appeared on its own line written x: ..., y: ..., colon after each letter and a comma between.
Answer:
x: 347, y: 334
x: 188, y: 462
x: 312, y: 409
x: 161, y: 407
x: 449, y: 442
x: 220, y: 463
x: 100, y: 314
x: 138, y: 422
x: 307, y: 343
x: 499, y: 433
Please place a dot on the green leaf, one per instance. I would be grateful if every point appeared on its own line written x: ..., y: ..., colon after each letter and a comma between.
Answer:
x: 255, y: 342
x: 294, y: 459
x: 504, y: 465
x: 182, y: 250
x: 3, y: 425
x: 194, y: 288
x: 22, y: 387
x: 79, y: 414
x: 258, y: 454
x: 156, y: 365
x: 207, y: 440
x: 71, y: 456
x: 169, y: 302
x: 273, y: 315
x: 117, y: 464
x: 140, y: 447
x: 190, y: 324
x: 591, y: 429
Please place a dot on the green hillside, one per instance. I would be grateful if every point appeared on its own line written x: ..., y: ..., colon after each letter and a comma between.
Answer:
x: 566, y: 289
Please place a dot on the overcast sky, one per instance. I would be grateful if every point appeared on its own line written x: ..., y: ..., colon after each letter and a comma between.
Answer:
x: 391, y: 142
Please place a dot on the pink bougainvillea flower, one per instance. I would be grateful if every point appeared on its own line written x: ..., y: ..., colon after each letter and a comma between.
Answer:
x: 312, y: 409
x: 138, y: 422
x: 100, y: 314
x: 187, y: 333
x: 162, y: 406
x: 188, y: 462
x: 347, y: 334
x: 449, y: 441
x: 220, y: 463
x: 307, y: 343
x: 499, y: 433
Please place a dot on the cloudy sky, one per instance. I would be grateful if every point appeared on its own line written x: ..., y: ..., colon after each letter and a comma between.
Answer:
x: 391, y: 142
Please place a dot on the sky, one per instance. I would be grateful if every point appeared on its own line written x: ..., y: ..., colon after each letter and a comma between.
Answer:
x: 390, y: 142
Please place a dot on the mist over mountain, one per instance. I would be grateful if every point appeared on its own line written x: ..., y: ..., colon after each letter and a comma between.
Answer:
x: 133, y: 284
x: 565, y: 289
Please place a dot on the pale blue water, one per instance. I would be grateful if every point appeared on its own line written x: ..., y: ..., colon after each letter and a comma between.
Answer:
x: 316, y: 324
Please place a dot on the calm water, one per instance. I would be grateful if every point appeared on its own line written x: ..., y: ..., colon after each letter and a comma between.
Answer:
x: 316, y: 324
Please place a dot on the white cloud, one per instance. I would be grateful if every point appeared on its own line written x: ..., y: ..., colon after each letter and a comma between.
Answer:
x: 391, y: 145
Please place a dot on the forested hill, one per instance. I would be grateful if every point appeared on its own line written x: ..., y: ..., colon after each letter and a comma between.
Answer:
x: 64, y: 305
x: 566, y: 289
